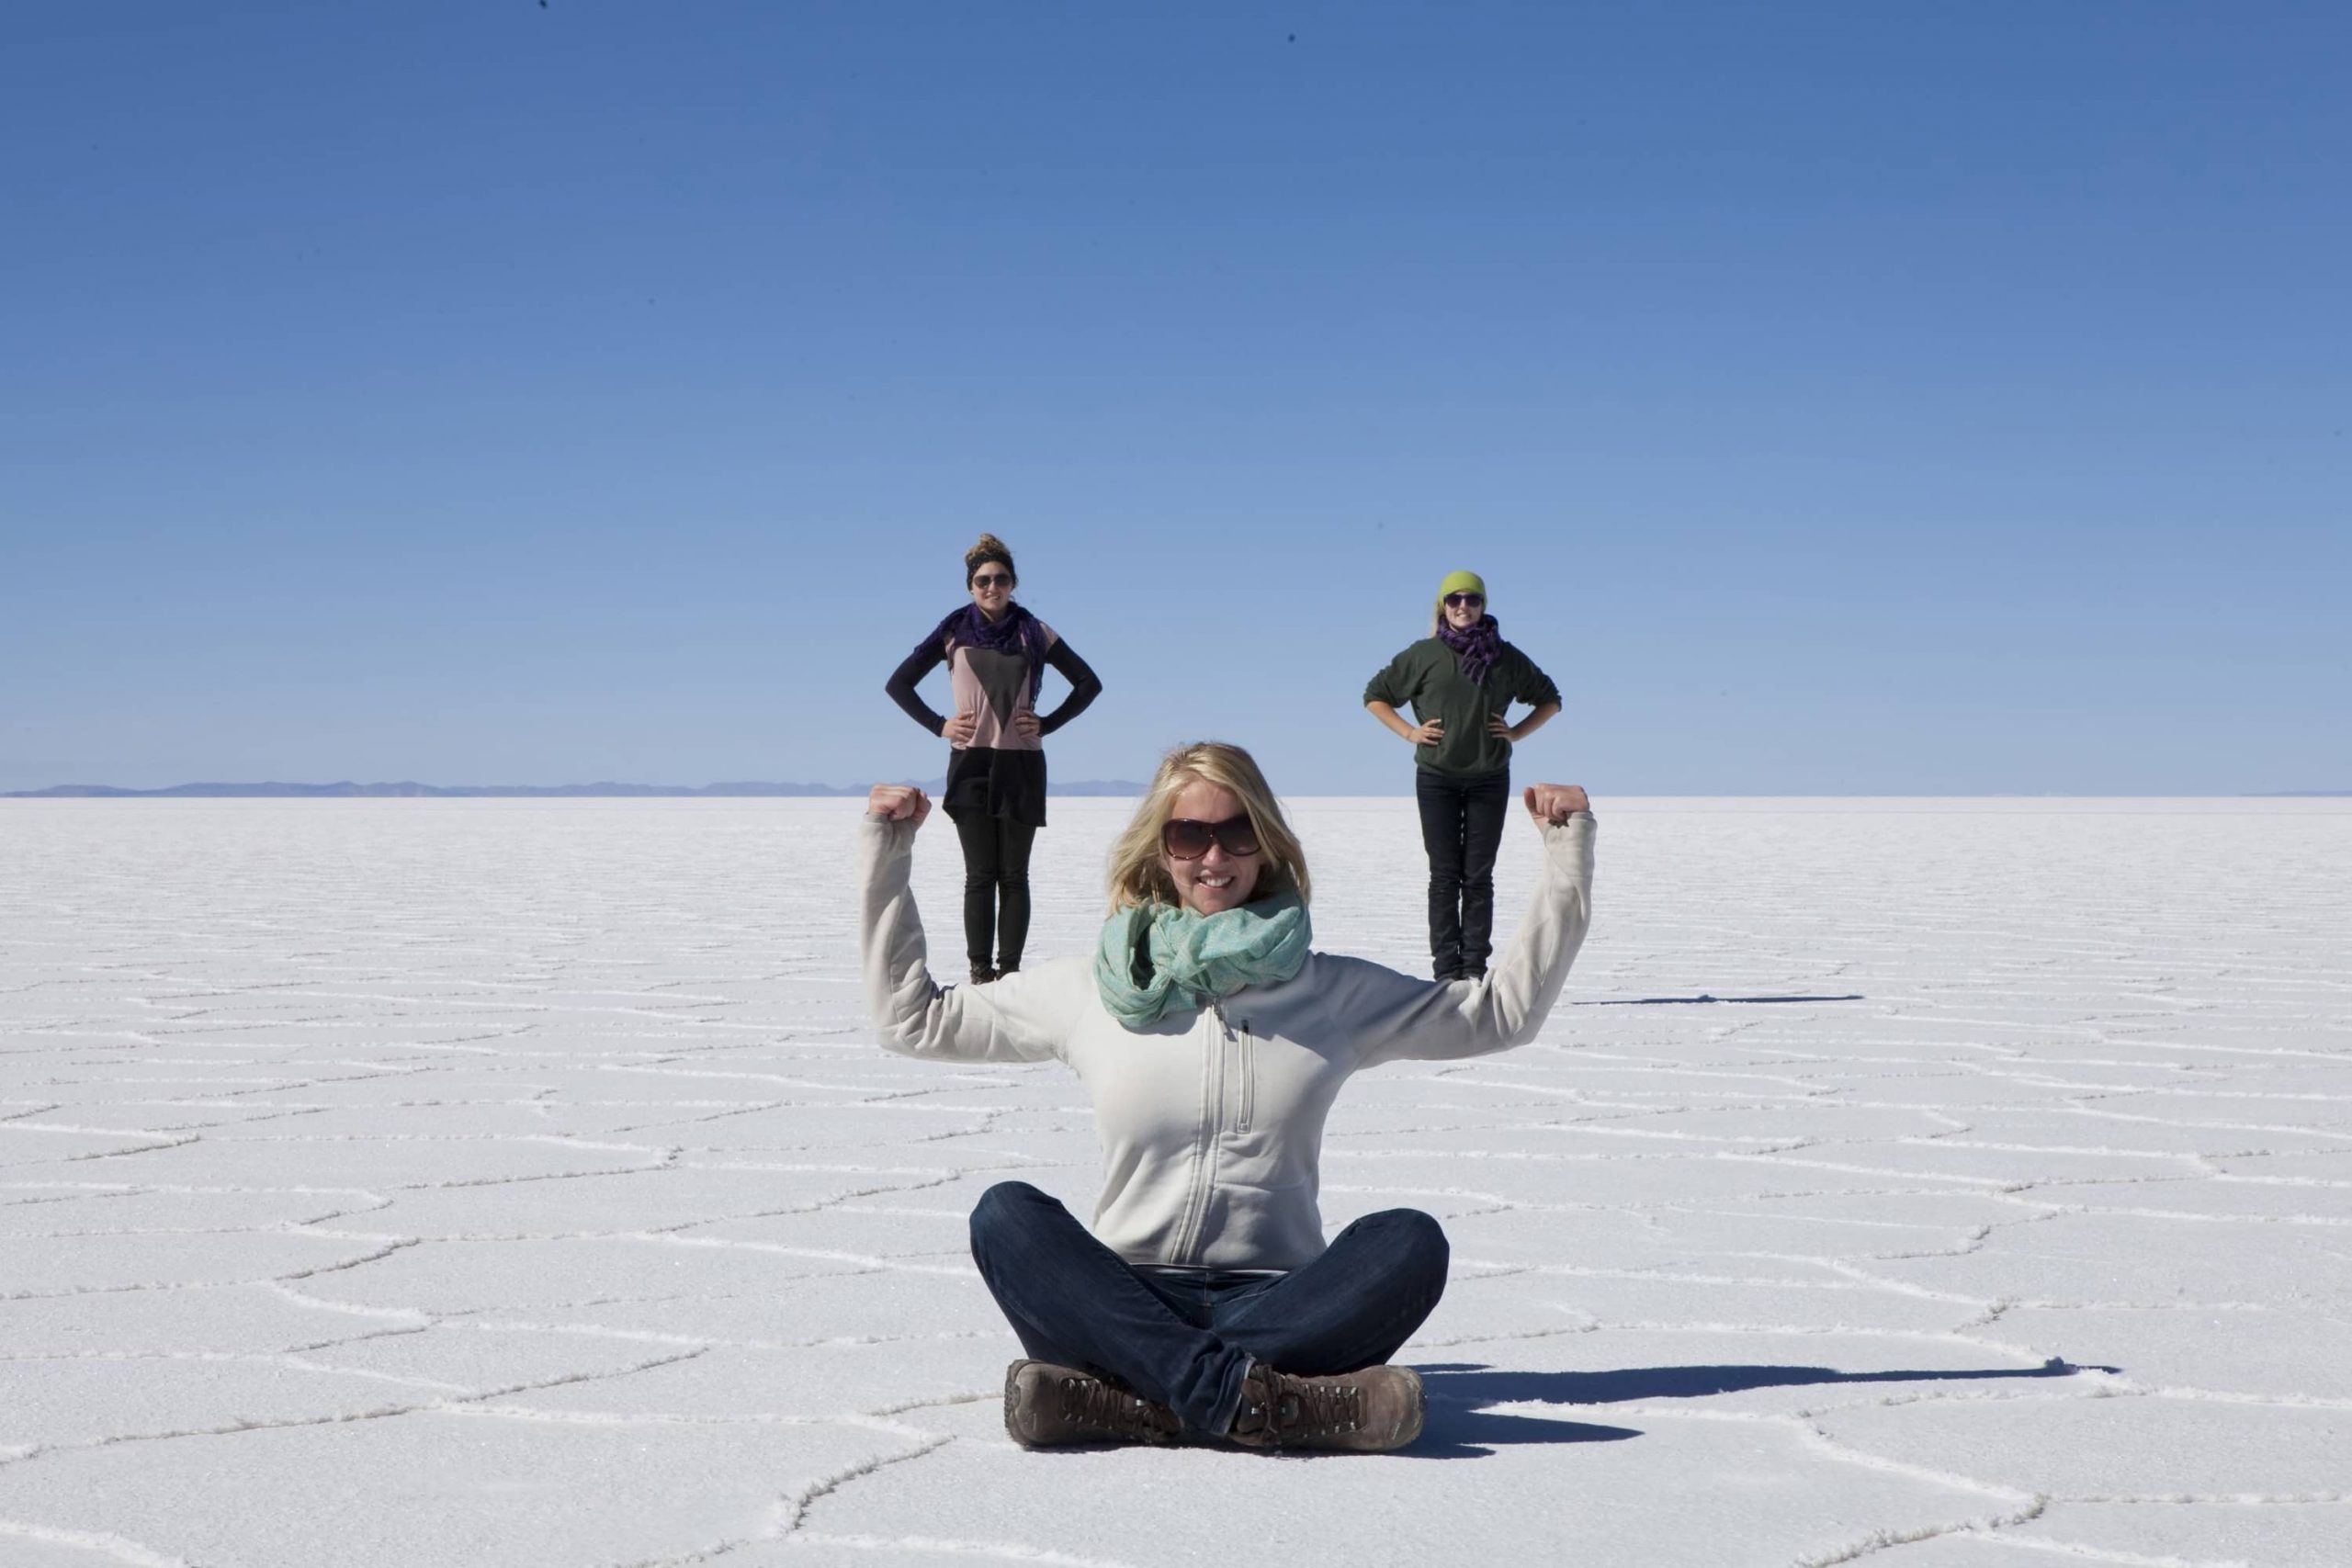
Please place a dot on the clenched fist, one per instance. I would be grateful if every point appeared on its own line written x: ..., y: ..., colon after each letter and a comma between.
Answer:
x: 897, y: 803
x: 1552, y: 803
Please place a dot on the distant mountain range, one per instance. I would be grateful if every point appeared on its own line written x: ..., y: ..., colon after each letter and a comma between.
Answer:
x: 372, y: 790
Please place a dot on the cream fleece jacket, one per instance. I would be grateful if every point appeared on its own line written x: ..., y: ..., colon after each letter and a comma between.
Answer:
x: 1212, y: 1123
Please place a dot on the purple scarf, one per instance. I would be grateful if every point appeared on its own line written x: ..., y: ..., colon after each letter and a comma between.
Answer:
x: 1479, y: 646
x: 1015, y: 631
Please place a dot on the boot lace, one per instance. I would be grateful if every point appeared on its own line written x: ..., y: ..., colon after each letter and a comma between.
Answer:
x: 1096, y: 1405
x: 1312, y: 1409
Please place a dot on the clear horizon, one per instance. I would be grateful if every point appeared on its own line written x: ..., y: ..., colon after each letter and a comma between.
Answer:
x: 1084, y: 789
x: 1838, y: 400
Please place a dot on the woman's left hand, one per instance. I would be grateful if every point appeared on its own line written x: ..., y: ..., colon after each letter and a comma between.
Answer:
x: 1027, y: 726
x: 1555, y: 803
x: 1499, y: 729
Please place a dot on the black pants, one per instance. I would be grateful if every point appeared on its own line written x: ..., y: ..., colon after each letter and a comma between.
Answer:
x: 1461, y: 826
x: 996, y: 887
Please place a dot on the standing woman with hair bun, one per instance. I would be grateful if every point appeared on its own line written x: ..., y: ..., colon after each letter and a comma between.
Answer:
x: 996, y: 653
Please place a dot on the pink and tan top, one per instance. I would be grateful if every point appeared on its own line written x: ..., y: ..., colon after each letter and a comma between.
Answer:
x: 1001, y: 771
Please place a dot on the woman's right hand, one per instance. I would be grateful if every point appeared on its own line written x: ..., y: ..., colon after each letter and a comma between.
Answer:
x: 897, y: 803
x: 1428, y: 732
x: 960, y: 729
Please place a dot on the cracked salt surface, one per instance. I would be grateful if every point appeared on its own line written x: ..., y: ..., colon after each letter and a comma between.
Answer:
x: 1934, y: 1184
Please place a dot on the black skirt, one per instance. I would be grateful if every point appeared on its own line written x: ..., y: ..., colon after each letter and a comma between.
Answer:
x: 985, y: 782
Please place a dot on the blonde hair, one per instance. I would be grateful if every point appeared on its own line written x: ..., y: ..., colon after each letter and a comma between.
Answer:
x: 988, y: 547
x: 1137, y: 875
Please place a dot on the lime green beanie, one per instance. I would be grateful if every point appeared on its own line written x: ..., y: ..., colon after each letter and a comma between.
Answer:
x: 1462, y: 583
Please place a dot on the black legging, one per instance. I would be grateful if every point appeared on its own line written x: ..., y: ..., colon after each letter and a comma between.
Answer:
x: 996, y: 888
x: 1462, y: 829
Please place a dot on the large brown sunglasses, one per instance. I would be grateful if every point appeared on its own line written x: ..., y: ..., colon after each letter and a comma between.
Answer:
x: 1185, y: 839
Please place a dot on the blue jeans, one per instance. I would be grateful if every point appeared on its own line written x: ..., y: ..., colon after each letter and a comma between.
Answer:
x: 1187, y: 1337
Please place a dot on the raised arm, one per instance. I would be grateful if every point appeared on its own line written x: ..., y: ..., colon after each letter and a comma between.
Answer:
x: 1021, y: 1018
x: 1394, y: 1016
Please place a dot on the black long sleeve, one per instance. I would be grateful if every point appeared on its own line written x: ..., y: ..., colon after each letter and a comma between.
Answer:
x: 918, y: 664
x: 1085, y: 685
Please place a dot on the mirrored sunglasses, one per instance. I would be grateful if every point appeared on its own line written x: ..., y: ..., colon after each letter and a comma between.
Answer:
x: 1185, y: 839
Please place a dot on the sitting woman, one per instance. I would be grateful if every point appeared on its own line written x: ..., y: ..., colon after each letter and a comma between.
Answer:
x: 1212, y: 1042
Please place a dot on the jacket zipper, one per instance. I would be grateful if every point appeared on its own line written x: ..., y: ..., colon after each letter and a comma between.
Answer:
x: 1249, y: 1064
x: 1211, y: 1128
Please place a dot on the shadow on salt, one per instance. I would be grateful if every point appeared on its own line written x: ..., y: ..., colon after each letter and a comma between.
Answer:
x: 1460, y: 1425
x: 1703, y: 997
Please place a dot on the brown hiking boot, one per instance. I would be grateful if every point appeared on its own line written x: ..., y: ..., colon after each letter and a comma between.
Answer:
x: 1370, y: 1411
x: 1047, y: 1406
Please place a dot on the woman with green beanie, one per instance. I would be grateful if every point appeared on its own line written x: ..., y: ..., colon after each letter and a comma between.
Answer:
x: 1459, y: 680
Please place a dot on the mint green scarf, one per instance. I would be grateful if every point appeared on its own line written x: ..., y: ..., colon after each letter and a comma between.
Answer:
x: 1196, y: 958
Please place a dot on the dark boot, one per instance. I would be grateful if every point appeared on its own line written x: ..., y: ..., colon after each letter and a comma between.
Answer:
x: 982, y: 974
x: 1370, y: 1411
x: 1047, y: 1406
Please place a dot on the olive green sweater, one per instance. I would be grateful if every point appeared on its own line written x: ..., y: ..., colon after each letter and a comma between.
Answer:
x: 1427, y: 676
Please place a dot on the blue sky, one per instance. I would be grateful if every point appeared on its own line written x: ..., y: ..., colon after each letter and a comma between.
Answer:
x: 1839, y: 398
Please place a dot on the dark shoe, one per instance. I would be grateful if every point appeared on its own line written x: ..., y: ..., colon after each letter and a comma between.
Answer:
x: 982, y: 974
x: 1047, y: 1406
x: 1370, y: 1411
x: 1003, y: 969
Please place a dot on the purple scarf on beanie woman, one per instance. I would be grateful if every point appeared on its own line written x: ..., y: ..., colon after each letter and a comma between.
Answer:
x: 1479, y: 646
x: 1015, y: 631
